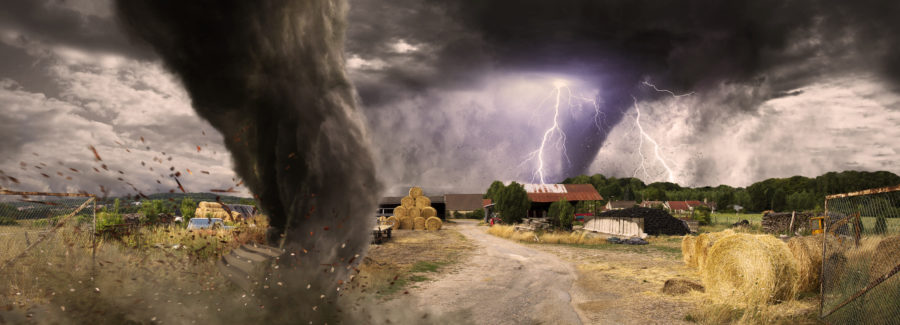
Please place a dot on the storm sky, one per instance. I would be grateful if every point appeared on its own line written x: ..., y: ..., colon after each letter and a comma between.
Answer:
x: 457, y: 95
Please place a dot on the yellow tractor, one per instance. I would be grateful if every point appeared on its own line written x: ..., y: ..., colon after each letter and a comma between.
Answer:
x: 817, y: 225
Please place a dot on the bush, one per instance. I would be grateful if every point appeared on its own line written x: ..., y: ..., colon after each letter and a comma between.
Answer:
x: 513, y: 203
x: 702, y: 214
x: 880, y: 225
x: 477, y: 214
x: 7, y: 221
x: 107, y: 219
x: 564, y: 212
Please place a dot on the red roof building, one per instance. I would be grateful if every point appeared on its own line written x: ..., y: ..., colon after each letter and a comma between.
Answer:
x: 546, y: 193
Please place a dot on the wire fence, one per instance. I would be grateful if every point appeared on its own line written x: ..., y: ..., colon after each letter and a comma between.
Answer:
x: 861, y: 257
x: 29, y: 218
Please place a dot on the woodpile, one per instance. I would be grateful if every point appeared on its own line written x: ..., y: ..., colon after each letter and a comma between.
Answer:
x: 780, y: 222
x: 532, y: 224
x: 415, y: 212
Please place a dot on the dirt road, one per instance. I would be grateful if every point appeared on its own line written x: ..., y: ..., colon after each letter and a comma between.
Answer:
x: 503, y: 283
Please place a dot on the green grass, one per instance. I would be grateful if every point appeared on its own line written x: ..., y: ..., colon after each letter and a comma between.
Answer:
x: 418, y: 278
x: 426, y: 266
x: 623, y: 247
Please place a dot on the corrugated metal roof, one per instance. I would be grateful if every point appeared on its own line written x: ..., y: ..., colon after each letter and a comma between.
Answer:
x: 544, y: 188
x: 486, y: 202
x: 571, y: 192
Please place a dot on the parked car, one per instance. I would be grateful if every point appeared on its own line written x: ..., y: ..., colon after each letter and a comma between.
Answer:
x: 582, y: 216
x: 208, y: 223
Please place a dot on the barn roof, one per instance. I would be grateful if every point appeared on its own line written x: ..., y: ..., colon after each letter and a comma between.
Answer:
x: 464, y: 202
x: 554, y: 192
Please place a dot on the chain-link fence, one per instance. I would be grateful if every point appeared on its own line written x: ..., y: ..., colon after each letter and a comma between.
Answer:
x: 28, y: 218
x: 861, y: 257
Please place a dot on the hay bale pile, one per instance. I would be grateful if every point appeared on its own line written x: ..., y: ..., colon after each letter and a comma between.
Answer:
x: 656, y: 221
x: 215, y: 210
x: 750, y: 269
x: 415, y: 212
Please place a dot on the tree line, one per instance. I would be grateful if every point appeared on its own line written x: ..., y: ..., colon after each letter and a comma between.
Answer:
x: 797, y: 193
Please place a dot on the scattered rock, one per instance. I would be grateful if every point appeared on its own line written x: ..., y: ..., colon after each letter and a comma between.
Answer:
x: 677, y: 287
x: 614, y: 240
x: 635, y: 241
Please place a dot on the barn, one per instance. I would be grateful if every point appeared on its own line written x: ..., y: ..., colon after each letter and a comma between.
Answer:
x: 542, y: 195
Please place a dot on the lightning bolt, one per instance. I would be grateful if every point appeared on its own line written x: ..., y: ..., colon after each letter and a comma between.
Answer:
x: 539, y: 153
x: 643, y: 134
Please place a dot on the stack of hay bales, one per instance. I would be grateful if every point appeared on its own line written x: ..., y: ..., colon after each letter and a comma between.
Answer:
x: 750, y: 269
x: 215, y: 210
x: 415, y: 212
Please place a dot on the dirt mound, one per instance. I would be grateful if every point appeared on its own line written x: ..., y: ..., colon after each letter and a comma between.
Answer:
x: 656, y: 221
x: 679, y: 287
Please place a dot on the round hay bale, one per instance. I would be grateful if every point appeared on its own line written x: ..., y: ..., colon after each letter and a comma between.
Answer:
x: 381, y: 220
x: 419, y: 223
x: 415, y: 191
x: 433, y: 223
x: 807, y: 252
x: 414, y: 212
x: 400, y: 212
x: 408, y: 202
x: 406, y: 223
x: 884, y: 257
x: 423, y: 202
x: 205, y: 204
x: 751, y: 269
x: 704, y: 242
x: 393, y: 221
x: 688, y: 250
x: 428, y: 212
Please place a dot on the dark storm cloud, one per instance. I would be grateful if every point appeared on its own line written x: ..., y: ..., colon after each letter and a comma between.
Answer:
x: 269, y: 76
x: 769, y: 47
x: 50, y: 23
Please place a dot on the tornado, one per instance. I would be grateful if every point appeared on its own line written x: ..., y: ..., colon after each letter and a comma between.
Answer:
x: 269, y: 75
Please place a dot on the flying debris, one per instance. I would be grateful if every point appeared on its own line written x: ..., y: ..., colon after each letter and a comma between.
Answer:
x: 94, y: 150
x: 180, y: 187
